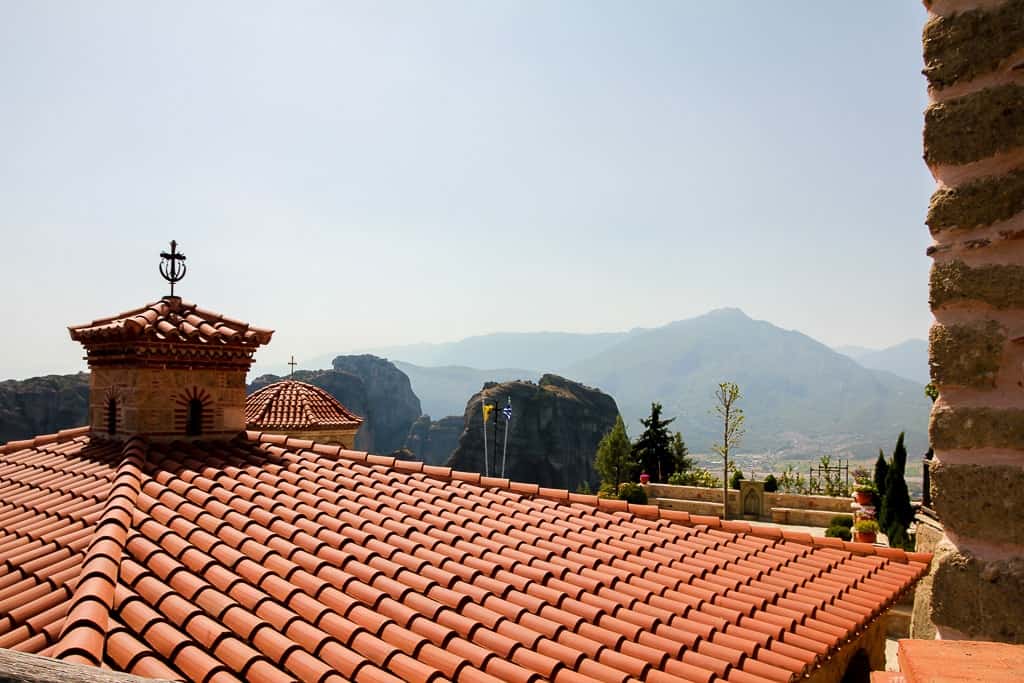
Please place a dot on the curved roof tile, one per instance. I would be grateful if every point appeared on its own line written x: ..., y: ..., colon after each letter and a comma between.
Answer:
x: 277, y: 557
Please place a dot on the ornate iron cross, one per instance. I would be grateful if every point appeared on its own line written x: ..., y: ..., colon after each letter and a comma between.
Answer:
x: 293, y: 364
x: 172, y: 267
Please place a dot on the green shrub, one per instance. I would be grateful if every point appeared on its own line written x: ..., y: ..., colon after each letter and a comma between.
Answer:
x: 845, y: 521
x: 836, y: 531
x: 632, y: 493
x: 866, y: 526
x: 695, y: 477
x: 771, y: 484
x: 734, y: 481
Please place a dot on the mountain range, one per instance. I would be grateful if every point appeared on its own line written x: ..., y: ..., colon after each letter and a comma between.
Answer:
x: 800, y: 397
x: 907, y: 359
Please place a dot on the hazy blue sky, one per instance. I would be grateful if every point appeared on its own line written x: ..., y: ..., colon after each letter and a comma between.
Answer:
x: 359, y: 174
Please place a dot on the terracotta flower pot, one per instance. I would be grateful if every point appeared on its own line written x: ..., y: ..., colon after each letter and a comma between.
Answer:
x: 865, y: 536
x: 645, y: 478
x: 862, y: 497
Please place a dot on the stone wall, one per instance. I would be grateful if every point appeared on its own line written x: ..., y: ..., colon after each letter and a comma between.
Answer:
x: 974, y: 147
x: 783, y: 508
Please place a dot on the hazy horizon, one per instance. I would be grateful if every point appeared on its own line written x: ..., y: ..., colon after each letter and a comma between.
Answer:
x: 359, y: 175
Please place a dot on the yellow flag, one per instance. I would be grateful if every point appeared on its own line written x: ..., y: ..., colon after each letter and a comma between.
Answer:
x: 488, y: 407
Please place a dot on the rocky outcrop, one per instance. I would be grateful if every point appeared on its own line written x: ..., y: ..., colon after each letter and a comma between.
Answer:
x: 392, y: 404
x: 43, y: 405
x: 553, y: 436
x: 372, y: 388
x: 433, y: 442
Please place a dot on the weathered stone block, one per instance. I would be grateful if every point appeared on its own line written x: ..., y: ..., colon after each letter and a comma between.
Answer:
x: 1001, y: 286
x: 976, y: 428
x: 975, y: 126
x: 979, y: 501
x: 966, y: 355
x: 967, y: 44
x: 977, y: 598
x: 978, y: 203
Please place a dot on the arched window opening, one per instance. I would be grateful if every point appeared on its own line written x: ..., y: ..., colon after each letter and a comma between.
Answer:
x: 112, y: 416
x: 194, y: 423
x: 859, y: 669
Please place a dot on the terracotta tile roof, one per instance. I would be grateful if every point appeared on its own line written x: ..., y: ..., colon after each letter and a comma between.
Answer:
x: 171, y: 319
x: 290, y: 404
x: 278, y: 558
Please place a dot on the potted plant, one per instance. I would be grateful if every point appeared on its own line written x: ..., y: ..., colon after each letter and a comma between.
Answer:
x: 865, y: 531
x: 645, y: 478
x: 864, y: 491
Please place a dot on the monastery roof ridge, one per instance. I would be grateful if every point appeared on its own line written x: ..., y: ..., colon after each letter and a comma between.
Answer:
x: 276, y: 557
x: 171, y: 319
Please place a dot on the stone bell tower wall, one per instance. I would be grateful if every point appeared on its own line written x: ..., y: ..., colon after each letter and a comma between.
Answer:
x: 974, y: 147
x: 156, y: 402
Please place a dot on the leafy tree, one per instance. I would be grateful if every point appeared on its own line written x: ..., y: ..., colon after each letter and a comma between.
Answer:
x: 614, y: 459
x: 771, y: 485
x: 653, y: 450
x: 727, y: 395
x: 681, y: 460
x: 734, y: 481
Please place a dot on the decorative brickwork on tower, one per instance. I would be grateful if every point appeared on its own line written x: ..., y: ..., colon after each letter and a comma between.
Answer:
x: 168, y: 370
x: 974, y: 146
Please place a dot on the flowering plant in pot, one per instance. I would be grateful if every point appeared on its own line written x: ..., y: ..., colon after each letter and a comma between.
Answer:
x: 864, y: 491
x: 865, y: 531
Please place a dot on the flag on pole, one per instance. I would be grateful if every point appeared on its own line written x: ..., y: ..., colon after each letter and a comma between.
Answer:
x: 487, y: 410
x: 507, y: 411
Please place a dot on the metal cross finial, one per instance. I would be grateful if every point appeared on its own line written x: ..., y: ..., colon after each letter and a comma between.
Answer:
x: 293, y: 364
x: 173, y: 265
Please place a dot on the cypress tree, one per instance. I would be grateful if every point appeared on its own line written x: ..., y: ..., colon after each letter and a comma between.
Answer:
x: 881, y: 472
x: 897, y: 513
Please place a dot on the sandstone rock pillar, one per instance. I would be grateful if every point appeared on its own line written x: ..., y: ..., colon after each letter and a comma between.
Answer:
x: 974, y: 147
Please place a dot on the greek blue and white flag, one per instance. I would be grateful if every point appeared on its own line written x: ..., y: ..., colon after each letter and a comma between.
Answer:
x: 507, y: 410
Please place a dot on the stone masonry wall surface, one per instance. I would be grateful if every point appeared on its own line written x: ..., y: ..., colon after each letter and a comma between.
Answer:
x: 974, y: 147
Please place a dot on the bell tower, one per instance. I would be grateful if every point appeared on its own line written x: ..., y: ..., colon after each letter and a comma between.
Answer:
x: 168, y: 370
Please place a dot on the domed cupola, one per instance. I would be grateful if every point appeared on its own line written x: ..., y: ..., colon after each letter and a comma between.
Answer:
x: 301, y: 410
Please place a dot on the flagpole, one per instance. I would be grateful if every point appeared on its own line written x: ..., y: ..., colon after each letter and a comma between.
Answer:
x: 483, y: 408
x: 504, y: 450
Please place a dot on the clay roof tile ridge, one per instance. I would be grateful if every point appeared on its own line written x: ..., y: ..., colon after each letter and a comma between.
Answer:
x: 83, y: 635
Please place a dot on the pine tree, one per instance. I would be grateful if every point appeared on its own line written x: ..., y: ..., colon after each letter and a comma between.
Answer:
x: 681, y: 460
x: 653, y: 450
x: 614, y: 458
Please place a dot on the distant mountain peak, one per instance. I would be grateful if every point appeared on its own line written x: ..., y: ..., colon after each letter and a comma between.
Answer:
x: 726, y: 312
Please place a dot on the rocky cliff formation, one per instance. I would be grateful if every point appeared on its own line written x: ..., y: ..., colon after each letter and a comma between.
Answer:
x: 370, y: 387
x: 434, y: 442
x: 43, y: 405
x: 393, y: 405
x: 555, y: 429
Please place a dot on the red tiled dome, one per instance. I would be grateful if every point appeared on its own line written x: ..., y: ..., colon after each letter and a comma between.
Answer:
x: 290, y: 404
